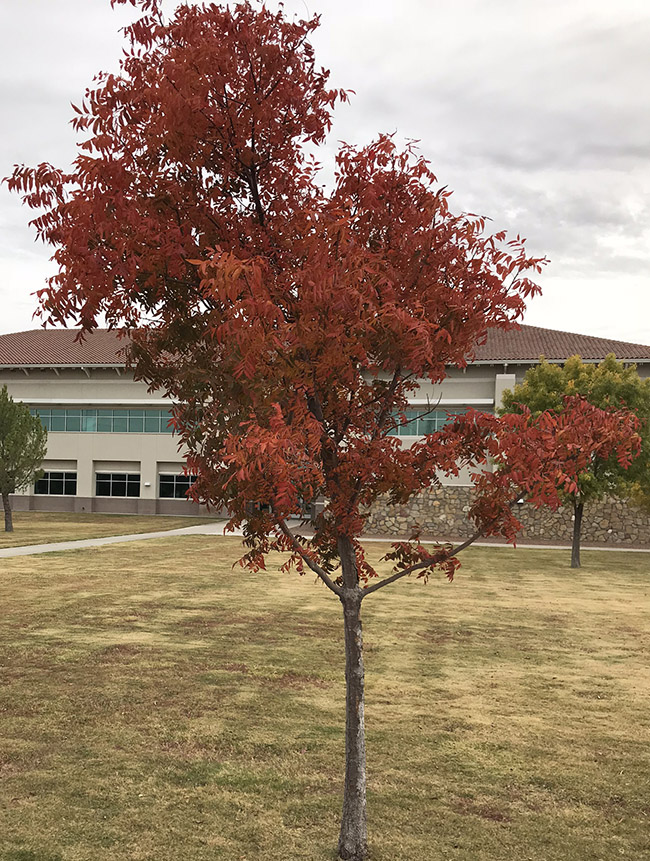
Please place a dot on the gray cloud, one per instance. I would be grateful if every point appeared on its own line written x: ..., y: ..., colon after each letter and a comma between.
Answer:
x: 537, y: 114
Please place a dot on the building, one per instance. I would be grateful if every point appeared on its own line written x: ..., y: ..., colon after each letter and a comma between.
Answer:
x: 110, y: 447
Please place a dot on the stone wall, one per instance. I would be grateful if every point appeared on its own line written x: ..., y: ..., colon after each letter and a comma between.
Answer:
x: 442, y: 513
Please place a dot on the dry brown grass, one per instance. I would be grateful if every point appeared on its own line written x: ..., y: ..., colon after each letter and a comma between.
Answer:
x: 160, y: 704
x: 38, y: 527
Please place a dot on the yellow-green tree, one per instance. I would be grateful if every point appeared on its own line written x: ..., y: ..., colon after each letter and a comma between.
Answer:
x: 609, y: 385
x: 23, y: 443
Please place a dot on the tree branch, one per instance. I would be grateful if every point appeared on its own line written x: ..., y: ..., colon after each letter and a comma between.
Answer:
x: 315, y: 567
x: 427, y: 562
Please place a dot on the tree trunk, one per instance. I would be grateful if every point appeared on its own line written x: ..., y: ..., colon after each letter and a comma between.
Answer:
x: 353, y: 839
x: 577, y: 526
x: 9, y: 521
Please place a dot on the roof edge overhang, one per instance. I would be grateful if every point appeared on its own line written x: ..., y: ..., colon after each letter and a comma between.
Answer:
x: 554, y: 359
x: 62, y: 403
x: 50, y: 366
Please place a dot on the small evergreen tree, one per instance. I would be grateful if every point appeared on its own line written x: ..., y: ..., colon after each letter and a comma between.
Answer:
x: 608, y: 386
x: 23, y: 443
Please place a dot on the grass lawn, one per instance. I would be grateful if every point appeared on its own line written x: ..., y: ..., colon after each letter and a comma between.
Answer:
x: 37, y: 527
x: 159, y: 705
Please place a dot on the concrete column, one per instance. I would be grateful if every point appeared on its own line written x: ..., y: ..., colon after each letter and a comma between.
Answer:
x: 502, y: 382
x: 85, y: 484
x: 148, y: 484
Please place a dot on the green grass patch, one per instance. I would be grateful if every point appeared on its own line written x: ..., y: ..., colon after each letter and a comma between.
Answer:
x: 159, y: 703
x: 38, y: 527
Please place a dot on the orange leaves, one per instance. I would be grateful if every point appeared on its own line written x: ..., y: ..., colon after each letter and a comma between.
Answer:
x: 205, y: 121
x: 271, y: 463
x: 413, y: 557
x: 439, y: 282
x: 287, y: 323
x: 537, y: 458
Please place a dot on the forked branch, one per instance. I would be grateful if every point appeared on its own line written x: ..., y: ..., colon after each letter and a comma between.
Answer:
x: 425, y: 563
x: 311, y: 563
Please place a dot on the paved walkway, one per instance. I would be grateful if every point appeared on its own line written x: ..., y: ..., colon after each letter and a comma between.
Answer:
x: 217, y: 528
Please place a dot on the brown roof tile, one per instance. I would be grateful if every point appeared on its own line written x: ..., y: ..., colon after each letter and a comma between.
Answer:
x: 528, y: 343
x: 58, y: 347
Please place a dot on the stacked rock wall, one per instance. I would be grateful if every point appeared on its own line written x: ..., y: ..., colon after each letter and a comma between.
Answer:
x: 442, y: 513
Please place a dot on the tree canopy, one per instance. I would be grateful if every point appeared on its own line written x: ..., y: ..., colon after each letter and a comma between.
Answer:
x: 23, y: 443
x: 610, y: 386
x: 290, y: 322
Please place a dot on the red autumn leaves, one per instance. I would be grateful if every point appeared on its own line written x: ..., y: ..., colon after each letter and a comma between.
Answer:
x: 290, y: 322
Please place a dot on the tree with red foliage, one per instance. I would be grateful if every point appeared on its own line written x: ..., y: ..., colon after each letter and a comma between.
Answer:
x: 289, y: 324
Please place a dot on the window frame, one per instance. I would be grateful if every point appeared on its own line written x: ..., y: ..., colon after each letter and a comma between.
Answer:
x: 68, y: 477
x: 129, y: 479
x: 176, y: 478
x: 129, y: 420
x: 439, y: 417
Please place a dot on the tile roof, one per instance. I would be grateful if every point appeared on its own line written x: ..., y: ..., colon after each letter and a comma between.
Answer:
x: 528, y: 343
x: 58, y: 347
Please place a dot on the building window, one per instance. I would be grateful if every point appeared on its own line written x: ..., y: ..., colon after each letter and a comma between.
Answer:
x: 421, y: 421
x: 57, y: 484
x: 117, y: 484
x: 104, y: 421
x: 175, y: 486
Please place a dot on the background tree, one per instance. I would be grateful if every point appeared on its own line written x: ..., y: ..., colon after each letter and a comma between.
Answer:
x: 289, y: 323
x: 23, y: 443
x: 609, y: 385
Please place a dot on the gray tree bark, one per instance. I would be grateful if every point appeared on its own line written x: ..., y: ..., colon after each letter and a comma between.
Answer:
x: 577, y: 527
x: 9, y: 521
x: 353, y: 839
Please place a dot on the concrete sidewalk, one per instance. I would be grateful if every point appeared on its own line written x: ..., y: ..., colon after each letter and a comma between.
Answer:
x: 217, y: 528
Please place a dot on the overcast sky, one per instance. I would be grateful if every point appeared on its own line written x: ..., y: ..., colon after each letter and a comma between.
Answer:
x: 536, y: 114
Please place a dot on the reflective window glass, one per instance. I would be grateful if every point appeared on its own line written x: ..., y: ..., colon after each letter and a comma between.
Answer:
x: 133, y: 485
x: 118, y: 485
x: 427, y: 424
x: 423, y: 421
x: 152, y: 421
x: 175, y: 486
x: 89, y: 421
x: 42, y: 485
x: 57, y: 483
x: 105, y: 420
x: 104, y: 423
x: 103, y: 484
x: 136, y: 424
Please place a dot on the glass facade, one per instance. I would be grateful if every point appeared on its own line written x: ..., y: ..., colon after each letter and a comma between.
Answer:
x: 117, y: 484
x: 57, y: 484
x: 104, y: 421
x: 422, y: 421
x: 175, y: 486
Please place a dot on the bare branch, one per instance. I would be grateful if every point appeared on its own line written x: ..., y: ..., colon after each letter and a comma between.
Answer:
x: 427, y: 562
x: 315, y: 567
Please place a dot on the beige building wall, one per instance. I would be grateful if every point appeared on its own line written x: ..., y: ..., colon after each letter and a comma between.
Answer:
x: 480, y: 385
x: 87, y: 453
